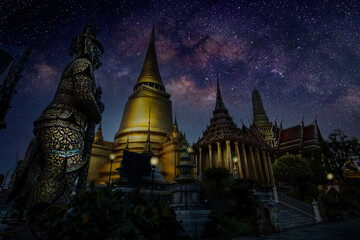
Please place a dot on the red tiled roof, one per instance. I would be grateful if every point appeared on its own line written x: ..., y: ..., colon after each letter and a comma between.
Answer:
x: 309, y: 132
x: 290, y: 133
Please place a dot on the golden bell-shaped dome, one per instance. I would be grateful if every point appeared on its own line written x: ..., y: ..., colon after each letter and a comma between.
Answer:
x: 149, y: 92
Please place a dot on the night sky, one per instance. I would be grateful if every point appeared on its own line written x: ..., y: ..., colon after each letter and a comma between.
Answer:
x: 304, y: 58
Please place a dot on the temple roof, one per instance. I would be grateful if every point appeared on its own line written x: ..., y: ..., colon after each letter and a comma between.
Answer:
x: 299, y: 138
x: 150, y: 73
x: 222, y: 126
x: 219, y: 106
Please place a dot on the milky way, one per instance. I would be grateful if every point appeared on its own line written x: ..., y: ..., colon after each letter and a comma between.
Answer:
x: 304, y: 59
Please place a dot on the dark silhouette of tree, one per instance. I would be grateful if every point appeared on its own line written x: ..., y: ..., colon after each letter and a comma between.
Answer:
x: 339, y: 153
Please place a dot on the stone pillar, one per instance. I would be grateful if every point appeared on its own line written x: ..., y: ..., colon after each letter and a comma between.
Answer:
x: 253, y: 163
x: 229, y: 163
x: 276, y: 196
x: 316, y: 211
x: 219, y: 155
x: 245, y: 160
x: 210, y: 156
x: 261, y: 172
x: 267, y: 175
x: 241, y: 174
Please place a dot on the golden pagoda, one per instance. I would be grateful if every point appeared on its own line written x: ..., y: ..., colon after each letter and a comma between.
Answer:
x: 148, y: 92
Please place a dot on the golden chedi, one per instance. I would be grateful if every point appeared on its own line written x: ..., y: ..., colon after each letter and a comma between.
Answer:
x: 149, y: 92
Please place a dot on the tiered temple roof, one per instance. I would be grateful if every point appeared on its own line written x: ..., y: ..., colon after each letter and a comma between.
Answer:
x: 222, y: 126
x: 298, y: 138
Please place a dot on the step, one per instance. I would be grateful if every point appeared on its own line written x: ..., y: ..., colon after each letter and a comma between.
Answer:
x: 291, y: 219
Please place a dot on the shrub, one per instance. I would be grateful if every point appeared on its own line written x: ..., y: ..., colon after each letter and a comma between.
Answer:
x: 291, y: 169
x: 308, y: 191
x: 224, y: 227
x: 102, y: 214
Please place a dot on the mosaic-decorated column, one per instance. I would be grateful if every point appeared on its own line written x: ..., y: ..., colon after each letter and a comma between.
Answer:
x: 219, y: 154
x: 240, y: 169
x: 245, y: 160
x: 229, y: 163
x: 266, y: 165
x: 261, y: 172
x: 210, y: 156
x: 253, y: 163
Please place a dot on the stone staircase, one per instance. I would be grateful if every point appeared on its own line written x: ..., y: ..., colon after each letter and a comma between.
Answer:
x: 289, y: 218
x: 290, y: 212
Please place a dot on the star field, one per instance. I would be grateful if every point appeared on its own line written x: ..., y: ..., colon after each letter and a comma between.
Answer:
x: 302, y: 56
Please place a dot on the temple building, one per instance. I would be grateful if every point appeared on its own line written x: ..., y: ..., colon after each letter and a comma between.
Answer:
x: 147, y: 127
x: 298, y: 139
x: 243, y: 151
x: 293, y: 140
x: 166, y: 140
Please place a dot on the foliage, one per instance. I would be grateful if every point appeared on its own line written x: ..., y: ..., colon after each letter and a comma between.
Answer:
x: 103, y: 214
x: 351, y: 188
x: 336, y: 203
x: 217, y: 181
x: 291, y: 169
x: 318, y: 171
x: 246, y: 202
x: 332, y: 211
x: 348, y: 205
x: 216, y: 184
x: 308, y: 191
x: 224, y: 227
x: 235, y: 210
x: 338, y: 151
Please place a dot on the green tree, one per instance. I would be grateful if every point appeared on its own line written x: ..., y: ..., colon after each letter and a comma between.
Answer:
x: 339, y: 152
x: 216, y: 183
x: 291, y: 169
x: 234, y: 204
x: 317, y: 168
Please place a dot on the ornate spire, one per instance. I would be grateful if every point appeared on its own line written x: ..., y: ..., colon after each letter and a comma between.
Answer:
x: 185, y: 165
x: 259, y: 114
x: 99, y: 139
x: 127, y: 144
x: 147, y: 147
x: 219, y: 101
x: 150, y: 74
x: 175, y: 126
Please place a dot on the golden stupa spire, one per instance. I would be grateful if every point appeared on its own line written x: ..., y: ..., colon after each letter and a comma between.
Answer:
x: 99, y: 139
x: 175, y: 126
x: 147, y: 147
x: 150, y: 74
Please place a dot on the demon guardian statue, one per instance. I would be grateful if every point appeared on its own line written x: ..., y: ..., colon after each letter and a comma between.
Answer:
x: 61, y: 132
